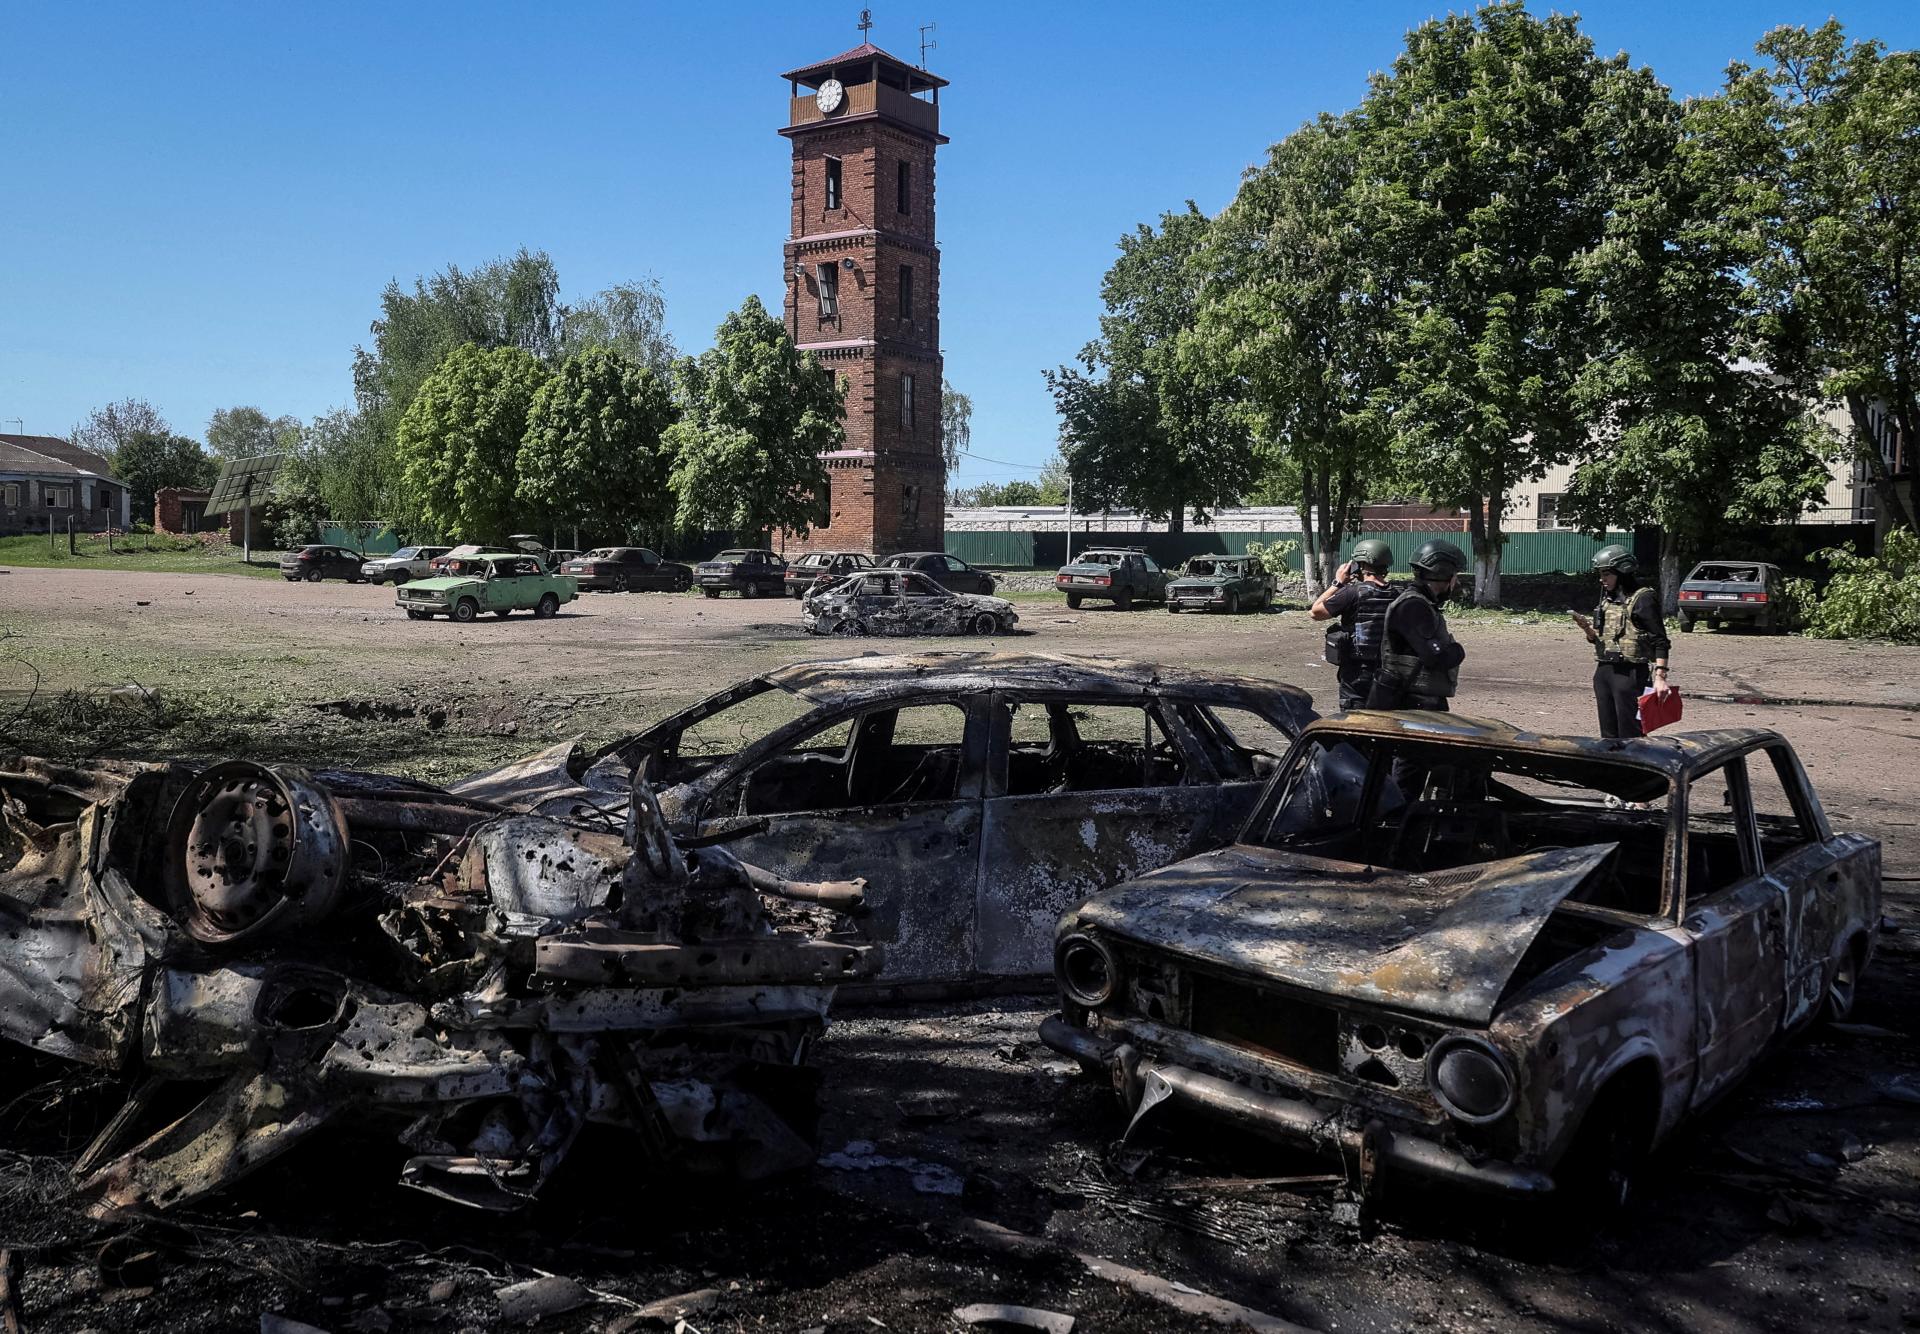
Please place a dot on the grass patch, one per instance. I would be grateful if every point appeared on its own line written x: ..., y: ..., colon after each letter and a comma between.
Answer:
x: 155, y: 552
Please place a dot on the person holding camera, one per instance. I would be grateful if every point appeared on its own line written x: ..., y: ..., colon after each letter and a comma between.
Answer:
x: 1359, y: 597
x: 1419, y: 659
x: 1629, y: 634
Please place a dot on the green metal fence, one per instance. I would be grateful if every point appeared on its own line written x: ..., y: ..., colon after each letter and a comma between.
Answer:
x: 1526, y: 553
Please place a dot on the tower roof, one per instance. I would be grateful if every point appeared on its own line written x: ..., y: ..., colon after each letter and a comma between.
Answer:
x: 912, y: 78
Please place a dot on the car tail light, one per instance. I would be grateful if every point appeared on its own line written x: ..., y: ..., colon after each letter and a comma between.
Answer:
x: 1753, y: 597
x: 1691, y: 595
x: 1104, y: 579
x: 305, y: 555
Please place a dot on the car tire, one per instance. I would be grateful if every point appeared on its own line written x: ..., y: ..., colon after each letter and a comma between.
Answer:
x: 413, y: 614
x: 850, y: 630
x: 1173, y: 608
x: 619, y: 584
x: 986, y: 623
x: 1073, y: 601
x: 1123, y: 600
x: 465, y: 610
x: 315, y: 576
x: 1686, y: 625
x: 400, y: 577
x: 1843, y: 985
x: 1596, y: 1177
x: 710, y: 592
x: 1233, y: 604
x: 548, y: 608
x: 987, y: 586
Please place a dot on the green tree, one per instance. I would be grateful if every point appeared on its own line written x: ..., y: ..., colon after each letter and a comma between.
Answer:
x: 755, y: 416
x: 1054, y: 480
x: 245, y: 433
x: 458, y: 445
x: 107, y: 429
x: 1820, y: 149
x: 594, y: 455
x: 1488, y: 141
x: 1139, y: 430
x: 351, y: 464
x: 513, y: 302
x: 628, y: 318
x: 1688, y: 431
x: 1294, y: 322
x: 956, y: 423
x: 149, y: 460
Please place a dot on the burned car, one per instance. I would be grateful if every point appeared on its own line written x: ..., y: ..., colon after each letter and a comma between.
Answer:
x: 978, y: 794
x: 902, y: 602
x: 1452, y: 950
x: 256, y: 952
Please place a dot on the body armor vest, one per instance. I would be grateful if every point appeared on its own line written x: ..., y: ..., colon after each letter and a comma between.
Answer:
x: 1406, y: 671
x: 1620, y: 639
x: 1367, y: 622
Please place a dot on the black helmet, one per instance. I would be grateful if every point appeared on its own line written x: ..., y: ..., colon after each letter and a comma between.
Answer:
x: 1613, y: 556
x: 1374, y: 554
x: 1438, y: 560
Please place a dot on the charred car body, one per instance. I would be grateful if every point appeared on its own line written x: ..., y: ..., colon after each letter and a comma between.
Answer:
x: 259, y: 952
x: 902, y: 602
x: 1453, y: 950
x: 978, y: 794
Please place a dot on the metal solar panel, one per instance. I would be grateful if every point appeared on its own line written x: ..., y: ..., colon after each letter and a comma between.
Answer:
x: 244, y: 479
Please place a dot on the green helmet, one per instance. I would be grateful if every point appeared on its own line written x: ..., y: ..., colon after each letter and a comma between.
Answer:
x: 1374, y: 554
x: 1617, y: 558
x: 1438, y: 560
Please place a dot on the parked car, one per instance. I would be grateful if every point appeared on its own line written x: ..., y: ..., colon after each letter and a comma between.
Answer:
x: 950, y: 572
x: 977, y: 793
x: 1460, y: 951
x: 320, y: 561
x: 404, y: 564
x: 1731, y: 592
x: 1122, y: 575
x: 817, y: 569
x: 902, y: 602
x: 618, y: 569
x: 752, y: 572
x: 500, y: 583
x: 560, y: 556
x: 1221, y: 583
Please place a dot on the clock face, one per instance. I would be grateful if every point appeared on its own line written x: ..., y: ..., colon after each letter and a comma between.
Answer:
x: 830, y: 96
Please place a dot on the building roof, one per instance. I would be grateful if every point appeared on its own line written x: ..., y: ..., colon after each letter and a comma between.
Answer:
x: 51, y: 455
x: 917, y: 77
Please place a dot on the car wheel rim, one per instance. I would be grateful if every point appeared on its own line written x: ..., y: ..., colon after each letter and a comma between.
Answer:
x: 1841, y: 990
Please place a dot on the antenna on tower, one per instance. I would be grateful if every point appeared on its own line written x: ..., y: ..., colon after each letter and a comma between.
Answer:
x: 866, y: 23
x: 926, y: 43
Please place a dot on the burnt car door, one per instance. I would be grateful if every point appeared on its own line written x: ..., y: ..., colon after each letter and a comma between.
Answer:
x: 1735, y: 918
x: 1806, y: 867
x: 890, y: 794
x: 1085, y: 791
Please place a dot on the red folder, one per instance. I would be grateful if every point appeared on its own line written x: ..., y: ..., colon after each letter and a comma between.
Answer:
x: 1655, y: 712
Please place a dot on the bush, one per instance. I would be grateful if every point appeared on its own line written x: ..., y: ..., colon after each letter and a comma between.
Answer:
x: 1273, y: 555
x: 1868, y: 597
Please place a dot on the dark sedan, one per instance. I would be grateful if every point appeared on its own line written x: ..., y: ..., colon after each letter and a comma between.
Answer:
x: 620, y: 569
x: 817, y: 569
x: 319, y: 561
x: 950, y: 572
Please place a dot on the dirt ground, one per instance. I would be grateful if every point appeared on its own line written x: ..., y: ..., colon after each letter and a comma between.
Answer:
x: 1795, y: 1203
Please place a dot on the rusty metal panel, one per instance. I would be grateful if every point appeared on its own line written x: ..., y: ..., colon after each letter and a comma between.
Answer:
x: 919, y: 860
x: 1043, y: 853
x: 1442, y: 944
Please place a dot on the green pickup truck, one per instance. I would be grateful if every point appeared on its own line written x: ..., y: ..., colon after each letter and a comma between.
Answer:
x: 498, y: 582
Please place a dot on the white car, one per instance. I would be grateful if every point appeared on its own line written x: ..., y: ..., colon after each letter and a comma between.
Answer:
x: 404, y: 564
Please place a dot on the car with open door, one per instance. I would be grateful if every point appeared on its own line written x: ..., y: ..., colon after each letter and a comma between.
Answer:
x: 1450, y: 949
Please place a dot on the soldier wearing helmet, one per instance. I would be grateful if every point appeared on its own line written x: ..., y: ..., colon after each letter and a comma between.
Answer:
x: 1360, y: 597
x: 1630, y: 635
x: 1419, y: 660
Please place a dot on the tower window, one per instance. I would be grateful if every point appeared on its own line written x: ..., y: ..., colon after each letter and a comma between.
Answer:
x: 905, y: 179
x: 909, y: 506
x: 829, y: 291
x: 906, y: 402
x: 833, y: 182
x: 906, y: 291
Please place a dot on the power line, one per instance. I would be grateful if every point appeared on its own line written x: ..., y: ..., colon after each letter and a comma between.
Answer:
x: 1005, y: 463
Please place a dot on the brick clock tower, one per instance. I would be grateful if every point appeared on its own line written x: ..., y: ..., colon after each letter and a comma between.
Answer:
x: 863, y: 291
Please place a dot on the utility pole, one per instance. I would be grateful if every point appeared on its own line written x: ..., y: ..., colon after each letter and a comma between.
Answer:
x: 1069, y: 560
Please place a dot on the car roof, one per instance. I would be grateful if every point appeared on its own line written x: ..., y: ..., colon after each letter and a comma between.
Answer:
x: 878, y: 675
x: 1679, y: 753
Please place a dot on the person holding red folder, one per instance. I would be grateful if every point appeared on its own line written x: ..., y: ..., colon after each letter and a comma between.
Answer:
x: 1630, y: 635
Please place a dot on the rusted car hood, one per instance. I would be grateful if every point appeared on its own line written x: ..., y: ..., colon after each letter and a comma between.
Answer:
x: 1442, y: 944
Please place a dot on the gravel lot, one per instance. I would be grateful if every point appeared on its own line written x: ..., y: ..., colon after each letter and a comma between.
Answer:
x: 1740, y: 1230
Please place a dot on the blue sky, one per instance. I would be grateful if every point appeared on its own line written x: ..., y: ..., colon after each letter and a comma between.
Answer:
x: 199, y: 204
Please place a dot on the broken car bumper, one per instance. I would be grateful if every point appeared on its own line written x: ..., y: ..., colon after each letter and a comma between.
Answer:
x: 1145, y: 1082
